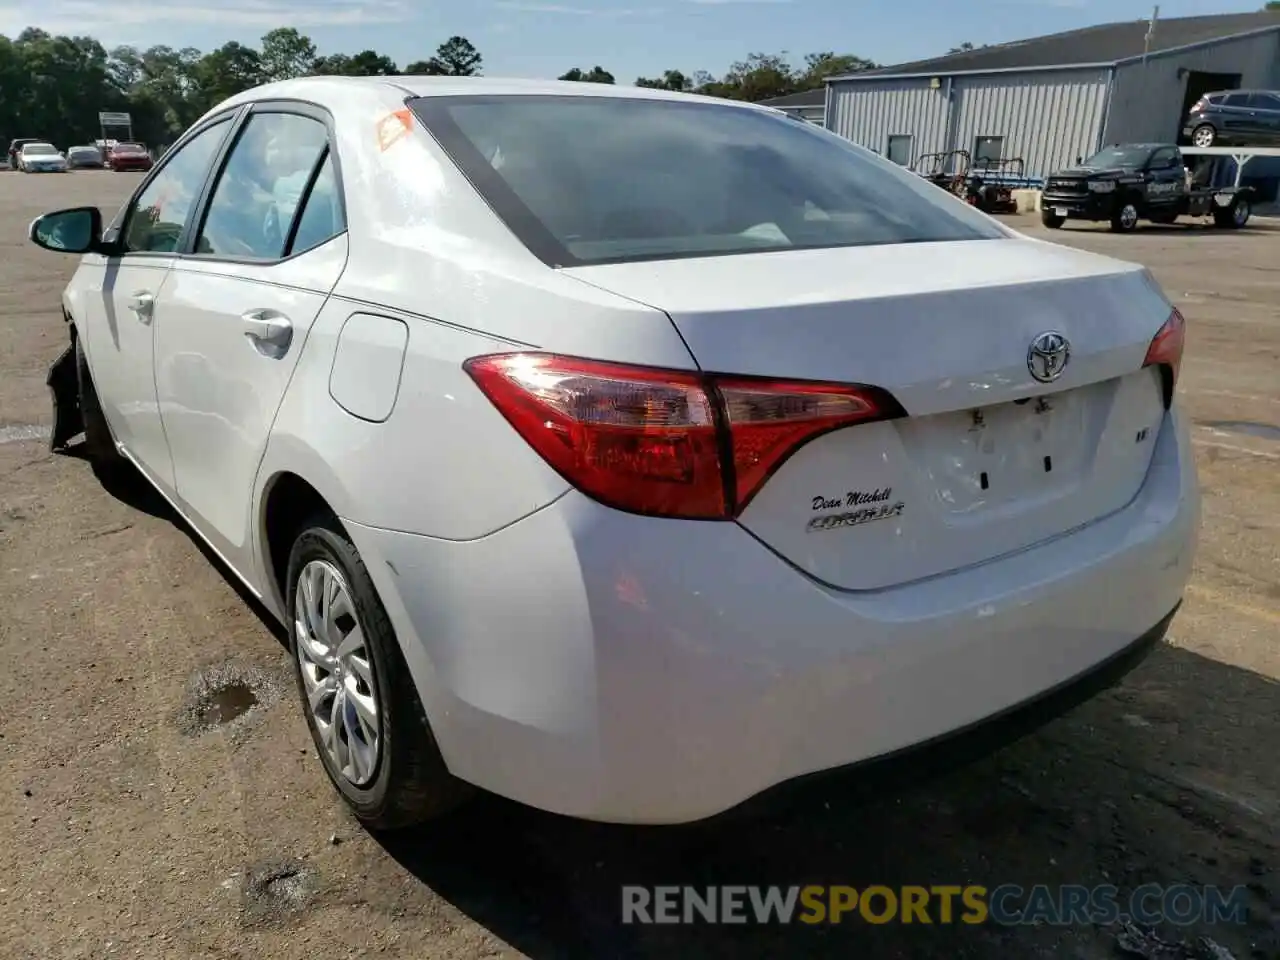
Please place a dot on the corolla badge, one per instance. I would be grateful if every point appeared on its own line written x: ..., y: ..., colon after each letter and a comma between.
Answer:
x: 1048, y: 355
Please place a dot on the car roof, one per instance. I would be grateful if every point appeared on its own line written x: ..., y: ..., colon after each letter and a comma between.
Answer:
x: 321, y: 89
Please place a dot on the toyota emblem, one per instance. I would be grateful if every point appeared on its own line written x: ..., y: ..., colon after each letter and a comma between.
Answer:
x: 1048, y: 356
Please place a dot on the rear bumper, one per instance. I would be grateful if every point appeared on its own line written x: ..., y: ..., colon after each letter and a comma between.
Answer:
x: 627, y: 669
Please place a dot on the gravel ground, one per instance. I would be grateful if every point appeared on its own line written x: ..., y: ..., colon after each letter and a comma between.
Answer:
x: 160, y: 796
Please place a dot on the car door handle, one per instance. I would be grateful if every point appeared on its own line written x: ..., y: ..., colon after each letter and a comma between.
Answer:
x: 143, y: 304
x: 269, y: 332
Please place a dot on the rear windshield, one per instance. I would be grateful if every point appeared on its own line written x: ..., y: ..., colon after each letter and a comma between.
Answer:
x: 39, y: 149
x: 605, y: 179
x: 127, y: 148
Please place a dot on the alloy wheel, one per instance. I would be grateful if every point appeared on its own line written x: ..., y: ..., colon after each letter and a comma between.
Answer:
x: 337, y: 672
x: 1128, y: 216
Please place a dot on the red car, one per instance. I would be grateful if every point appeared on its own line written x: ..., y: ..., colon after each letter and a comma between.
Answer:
x: 128, y: 156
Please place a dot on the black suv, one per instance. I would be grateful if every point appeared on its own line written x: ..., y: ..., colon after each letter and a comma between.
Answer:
x: 1234, y: 118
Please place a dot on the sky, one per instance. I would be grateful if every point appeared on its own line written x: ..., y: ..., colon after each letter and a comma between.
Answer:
x: 630, y: 38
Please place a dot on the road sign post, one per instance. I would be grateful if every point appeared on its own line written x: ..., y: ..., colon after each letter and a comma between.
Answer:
x: 118, y: 121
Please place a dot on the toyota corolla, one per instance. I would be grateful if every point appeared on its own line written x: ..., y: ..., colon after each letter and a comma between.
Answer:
x: 627, y: 453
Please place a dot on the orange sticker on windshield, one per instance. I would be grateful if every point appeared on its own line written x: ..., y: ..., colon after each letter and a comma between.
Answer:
x: 392, y: 127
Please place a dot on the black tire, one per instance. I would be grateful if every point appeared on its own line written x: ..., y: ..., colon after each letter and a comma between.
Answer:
x: 1235, y: 216
x: 1051, y: 220
x: 1205, y: 132
x: 1124, y: 218
x: 108, y: 463
x: 411, y: 783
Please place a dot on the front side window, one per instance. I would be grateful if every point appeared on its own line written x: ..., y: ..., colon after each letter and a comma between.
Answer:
x: 158, y: 214
x: 260, y: 186
x: 1162, y: 160
x: 598, y: 179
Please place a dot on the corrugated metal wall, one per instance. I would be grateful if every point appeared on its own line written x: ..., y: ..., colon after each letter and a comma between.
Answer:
x: 870, y: 112
x: 1146, y: 102
x: 1048, y: 119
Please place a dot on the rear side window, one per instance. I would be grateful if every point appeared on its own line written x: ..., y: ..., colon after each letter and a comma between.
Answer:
x: 252, y: 206
x: 321, y: 218
x: 1236, y: 100
x: 596, y: 179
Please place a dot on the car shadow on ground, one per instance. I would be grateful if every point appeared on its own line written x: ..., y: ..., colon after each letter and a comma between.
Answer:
x: 1169, y: 778
x: 132, y: 489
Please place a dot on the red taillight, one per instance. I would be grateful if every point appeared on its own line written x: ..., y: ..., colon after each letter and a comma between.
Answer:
x: 1166, y: 349
x: 664, y: 442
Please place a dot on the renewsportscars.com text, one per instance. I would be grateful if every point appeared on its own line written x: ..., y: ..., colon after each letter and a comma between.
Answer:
x: 1008, y: 904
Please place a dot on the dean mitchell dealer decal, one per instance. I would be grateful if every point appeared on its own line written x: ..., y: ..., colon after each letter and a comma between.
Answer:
x: 869, y: 505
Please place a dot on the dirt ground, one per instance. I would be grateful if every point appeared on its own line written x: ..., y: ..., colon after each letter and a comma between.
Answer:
x: 135, y: 823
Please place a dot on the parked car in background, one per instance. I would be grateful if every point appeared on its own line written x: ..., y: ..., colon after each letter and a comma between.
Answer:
x: 85, y: 158
x: 1235, y: 118
x: 810, y: 464
x: 15, y: 147
x: 129, y: 156
x: 41, y: 157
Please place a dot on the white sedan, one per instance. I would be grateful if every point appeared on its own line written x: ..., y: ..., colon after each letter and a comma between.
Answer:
x: 623, y: 452
x: 41, y: 158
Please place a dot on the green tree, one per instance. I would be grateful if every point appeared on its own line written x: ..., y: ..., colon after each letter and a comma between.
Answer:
x: 596, y: 74
x: 366, y: 63
x: 456, y: 57
x: 819, y: 66
x: 670, y: 80
x: 286, y: 54
x: 231, y: 69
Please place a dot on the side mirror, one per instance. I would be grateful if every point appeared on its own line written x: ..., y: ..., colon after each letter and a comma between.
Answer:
x: 1079, y: 160
x: 78, y: 230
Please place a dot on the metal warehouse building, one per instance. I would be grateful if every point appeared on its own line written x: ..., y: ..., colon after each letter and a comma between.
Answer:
x: 1052, y: 99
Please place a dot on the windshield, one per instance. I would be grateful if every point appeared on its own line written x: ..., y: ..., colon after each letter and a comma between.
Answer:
x: 39, y: 150
x: 1126, y: 157
x: 606, y: 179
x: 83, y: 151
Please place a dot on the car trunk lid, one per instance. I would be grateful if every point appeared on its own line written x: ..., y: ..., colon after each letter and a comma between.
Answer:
x: 988, y: 460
